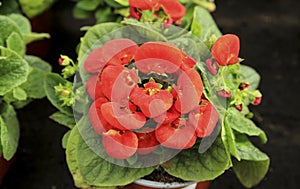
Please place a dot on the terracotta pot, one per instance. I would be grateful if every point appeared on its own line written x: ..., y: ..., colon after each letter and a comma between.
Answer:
x: 146, y: 184
x: 4, y: 167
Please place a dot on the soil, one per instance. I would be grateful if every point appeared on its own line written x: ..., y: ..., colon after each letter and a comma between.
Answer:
x: 270, y: 42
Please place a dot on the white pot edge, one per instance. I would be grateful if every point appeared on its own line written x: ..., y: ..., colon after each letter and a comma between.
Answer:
x: 155, y: 184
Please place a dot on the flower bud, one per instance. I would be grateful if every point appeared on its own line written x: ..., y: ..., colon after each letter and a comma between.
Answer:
x: 223, y: 93
x: 257, y: 101
x: 239, y: 107
x: 244, y: 86
x: 212, y: 66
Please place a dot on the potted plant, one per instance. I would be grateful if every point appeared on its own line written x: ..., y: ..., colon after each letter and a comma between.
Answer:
x: 21, y: 80
x: 150, y: 98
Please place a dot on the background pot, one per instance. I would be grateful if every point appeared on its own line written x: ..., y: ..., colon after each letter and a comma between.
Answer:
x: 147, y: 184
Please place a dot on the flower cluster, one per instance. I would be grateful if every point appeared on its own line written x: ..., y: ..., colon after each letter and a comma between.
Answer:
x: 171, y: 11
x: 146, y: 96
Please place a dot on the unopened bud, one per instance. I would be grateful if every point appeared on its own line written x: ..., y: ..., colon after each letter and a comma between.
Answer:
x: 257, y: 101
x: 223, y: 93
x: 212, y: 66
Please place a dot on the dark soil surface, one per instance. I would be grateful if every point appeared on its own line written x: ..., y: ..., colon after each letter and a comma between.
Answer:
x: 270, y: 42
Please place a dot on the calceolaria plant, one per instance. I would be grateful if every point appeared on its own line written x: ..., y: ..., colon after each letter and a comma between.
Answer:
x: 30, y: 8
x: 21, y: 77
x: 150, y: 96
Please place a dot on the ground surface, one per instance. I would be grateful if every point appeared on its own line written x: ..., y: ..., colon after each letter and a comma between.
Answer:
x: 270, y: 42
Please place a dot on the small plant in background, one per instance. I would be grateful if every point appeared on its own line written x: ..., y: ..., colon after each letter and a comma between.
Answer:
x: 30, y: 8
x: 21, y: 77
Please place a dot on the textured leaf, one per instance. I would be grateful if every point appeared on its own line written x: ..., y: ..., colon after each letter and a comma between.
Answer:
x: 95, y: 171
x: 52, y: 80
x: 13, y: 70
x: 143, y: 30
x: 19, y: 93
x: 15, y: 42
x: 34, y: 86
x: 35, y: 7
x: 199, y: 167
x: 250, y: 173
x: 9, y: 131
x: 71, y: 154
x: 22, y: 22
x: 251, y: 76
x: 203, y: 24
x: 7, y: 26
x: 64, y: 119
x: 82, y: 14
x: 38, y: 63
x: 228, y: 139
x: 254, y: 164
x: 241, y: 124
x: 88, y: 5
x: 247, y: 151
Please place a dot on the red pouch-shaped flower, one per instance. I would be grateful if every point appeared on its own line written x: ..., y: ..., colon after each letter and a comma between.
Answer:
x: 100, y: 125
x: 226, y: 49
x: 189, y: 91
x: 176, y: 135
x: 147, y: 142
x: 204, y: 118
x: 122, y: 117
x: 118, y: 82
x: 120, y: 144
x: 152, y: 100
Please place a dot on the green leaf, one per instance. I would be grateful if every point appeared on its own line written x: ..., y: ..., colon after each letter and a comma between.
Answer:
x: 241, y: 124
x: 64, y: 119
x: 113, y: 3
x: 8, y: 26
x: 38, y: 63
x: 15, y: 42
x: 81, y: 14
x: 251, y: 76
x: 228, y: 139
x: 19, y: 93
x: 144, y: 30
x: 247, y: 151
x: 31, y: 37
x: 13, y: 70
x: 190, y: 165
x: 9, y: 127
x: 123, y: 2
x: 94, y: 35
x: 64, y: 140
x: 9, y: 6
x: 35, y: 7
x: 250, y: 173
x: 34, y: 86
x: 88, y: 5
x: 99, y: 172
x: 52, y: 80
x: 22, y: 22
x: 254, y: 165
x: 71, y: 154
x: 203, y: 24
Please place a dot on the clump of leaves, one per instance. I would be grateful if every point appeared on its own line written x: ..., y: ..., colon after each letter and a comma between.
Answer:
x: 30, y: 8
x: 21, y: 77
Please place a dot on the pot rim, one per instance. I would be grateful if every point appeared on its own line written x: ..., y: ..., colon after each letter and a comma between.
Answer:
x: 155, y: 184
